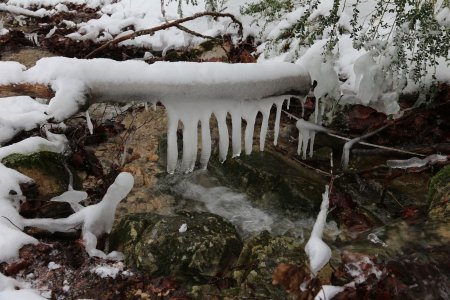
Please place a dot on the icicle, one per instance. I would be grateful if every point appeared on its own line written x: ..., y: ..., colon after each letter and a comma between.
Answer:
x: 306, y: 135
x: 318, y: 252
x: 264, y: 125
x: 89, y: 123
x: 190, y: 128
x: 172, y: 144
x: 221, y: 116
x: 302, y: 102
x: 154, y: 106
x: 313, y: 133
x: 250, y: 111
x: 346, y: 151
x: 206, y: 142
x: 146, y: 106
x: 288, y: 103
x: 236, y: 121
x: 279, y: 104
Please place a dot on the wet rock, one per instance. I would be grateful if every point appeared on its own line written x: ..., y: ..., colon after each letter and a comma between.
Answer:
x: 272, y: 181
x: 260, y: 257
x: 439, y: 195
x: 47, y: 169
x: 157, y: 244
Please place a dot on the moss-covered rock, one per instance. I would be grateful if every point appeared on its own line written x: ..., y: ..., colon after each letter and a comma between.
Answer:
x: 153, y: 242
x: 258, y: 260
x: 439, y: 195
x: 47, y: 169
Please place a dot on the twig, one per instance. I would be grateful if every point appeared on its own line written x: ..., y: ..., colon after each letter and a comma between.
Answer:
x: 191, y: 32
x: 165, y: 26
x: 12, y: 223
x: 322, y: 172
x: 361, y: 142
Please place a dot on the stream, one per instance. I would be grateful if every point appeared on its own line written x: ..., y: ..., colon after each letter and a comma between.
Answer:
x: 415, y: 250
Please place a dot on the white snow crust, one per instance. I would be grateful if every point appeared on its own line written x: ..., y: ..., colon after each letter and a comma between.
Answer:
x: 13, y: 289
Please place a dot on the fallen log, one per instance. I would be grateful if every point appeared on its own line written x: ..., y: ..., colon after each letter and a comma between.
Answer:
x: 27, y: 89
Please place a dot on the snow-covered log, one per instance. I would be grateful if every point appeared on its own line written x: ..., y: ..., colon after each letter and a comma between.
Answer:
x: 191, y: 93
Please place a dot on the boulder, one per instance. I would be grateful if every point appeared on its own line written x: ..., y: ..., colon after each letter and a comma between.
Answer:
x: 157, y: 244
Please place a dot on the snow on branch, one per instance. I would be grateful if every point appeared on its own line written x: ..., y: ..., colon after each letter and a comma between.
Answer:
x: 191, y: 93
x: 41, y: 13
x: 175, y: 23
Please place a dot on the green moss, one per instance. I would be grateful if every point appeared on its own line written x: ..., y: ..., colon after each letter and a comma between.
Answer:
x: 439, y: 194
x: 208, y: 45
x: 442, y: 177
x: 187, y: 55
x: 258, y: 260
x: 50, y: 164
x: 153, y: 243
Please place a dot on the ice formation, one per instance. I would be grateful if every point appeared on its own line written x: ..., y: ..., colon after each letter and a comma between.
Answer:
x: 73, y: 198
x: 416, y: 162
x: 318, y: 252
x: 94, y: 220
x: 306, y: 134
x: 191, y: 93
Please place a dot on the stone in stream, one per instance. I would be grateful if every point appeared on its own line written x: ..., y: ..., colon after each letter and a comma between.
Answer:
x: 155, y: 243
x: 439, y: 195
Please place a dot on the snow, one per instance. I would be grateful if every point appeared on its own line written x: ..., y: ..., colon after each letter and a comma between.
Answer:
x: 105, y: 270
x: 443, y: 17
x: 192, y: 94
x: 183, y: 228
x: 327, y: 292
x: 53, y: 266
x: 13, y: 289
x: 20, y: 113
x: 54, y: 143
x: 11, y: 72
x: 22, y: 11
x: 318, y: 252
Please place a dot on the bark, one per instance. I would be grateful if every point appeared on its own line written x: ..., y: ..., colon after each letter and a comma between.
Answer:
x: 27, y: 89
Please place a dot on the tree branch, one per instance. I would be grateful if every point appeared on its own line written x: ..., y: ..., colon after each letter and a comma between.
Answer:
x: 165, y: 26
